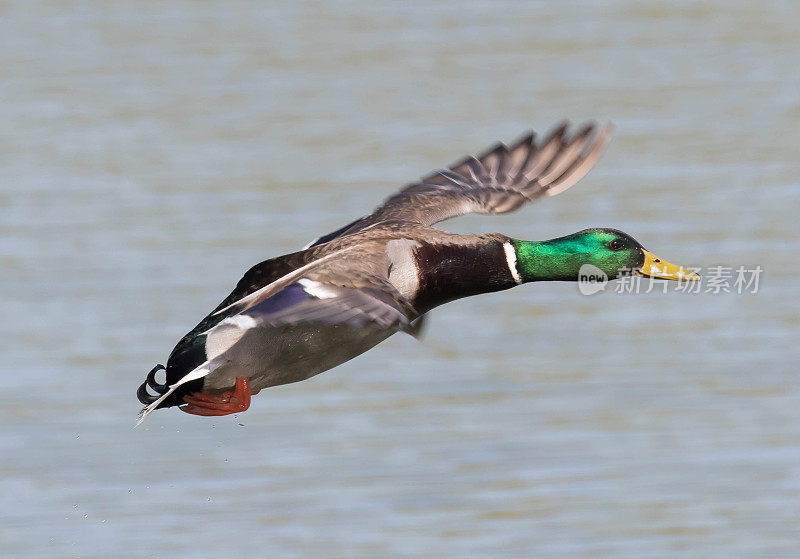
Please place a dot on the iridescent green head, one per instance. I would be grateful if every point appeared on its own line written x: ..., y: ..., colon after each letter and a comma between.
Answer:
x: 610, y: 250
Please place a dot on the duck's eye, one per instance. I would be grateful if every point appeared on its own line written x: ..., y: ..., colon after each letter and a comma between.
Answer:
x: 616, y: 245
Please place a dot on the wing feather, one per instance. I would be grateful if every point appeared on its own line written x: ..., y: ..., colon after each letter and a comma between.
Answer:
x: 311, y: 301
x: 499, y: 180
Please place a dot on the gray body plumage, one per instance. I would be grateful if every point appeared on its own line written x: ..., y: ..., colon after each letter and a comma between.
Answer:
x: 270, y: 355
x: 359, y: 308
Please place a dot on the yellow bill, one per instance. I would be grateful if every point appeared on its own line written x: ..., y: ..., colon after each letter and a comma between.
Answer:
x: 654, y: 267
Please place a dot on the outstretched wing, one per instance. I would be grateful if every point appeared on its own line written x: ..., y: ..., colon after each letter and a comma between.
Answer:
x: 500, y: 180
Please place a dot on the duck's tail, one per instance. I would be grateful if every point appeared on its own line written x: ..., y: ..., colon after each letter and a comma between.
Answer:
x: 163, y: 391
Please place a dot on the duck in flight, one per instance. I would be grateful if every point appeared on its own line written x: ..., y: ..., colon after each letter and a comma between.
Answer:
x: 292, y: 317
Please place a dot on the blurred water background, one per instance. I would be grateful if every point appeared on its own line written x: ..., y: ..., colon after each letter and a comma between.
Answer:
x: 151, y: 152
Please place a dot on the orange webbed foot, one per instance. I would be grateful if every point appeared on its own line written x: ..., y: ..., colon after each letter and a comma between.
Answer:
x: 232, y: 401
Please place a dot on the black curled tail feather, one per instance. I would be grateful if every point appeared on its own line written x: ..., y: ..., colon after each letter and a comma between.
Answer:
x: 152, y: 385
x: 150, y: 382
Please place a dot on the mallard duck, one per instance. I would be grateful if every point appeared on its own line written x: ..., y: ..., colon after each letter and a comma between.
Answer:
x: 292, y: 317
